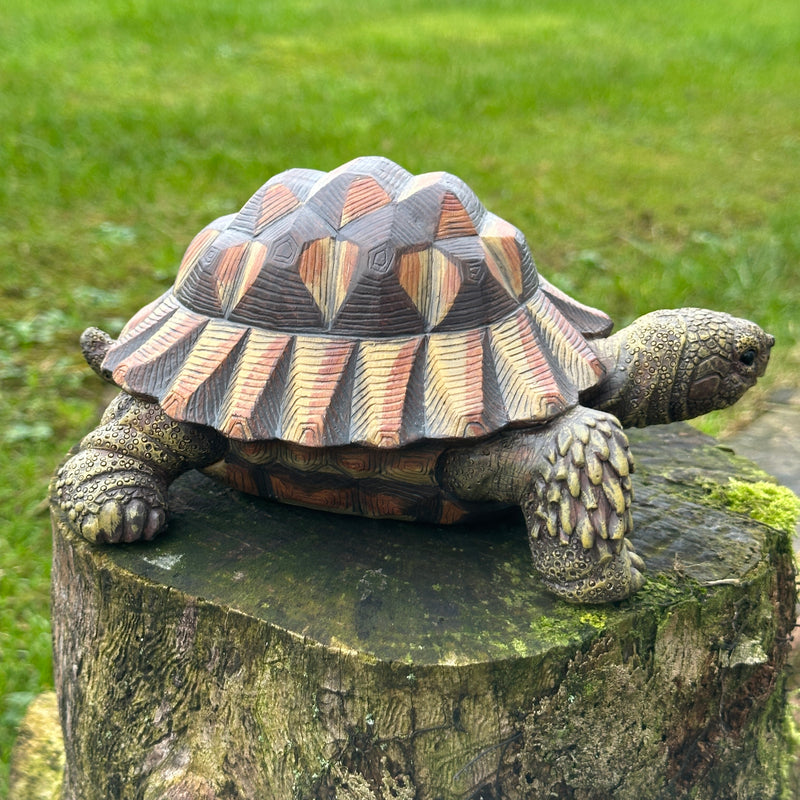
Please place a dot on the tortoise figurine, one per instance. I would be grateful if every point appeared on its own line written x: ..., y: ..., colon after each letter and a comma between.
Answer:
x: 373, y: 342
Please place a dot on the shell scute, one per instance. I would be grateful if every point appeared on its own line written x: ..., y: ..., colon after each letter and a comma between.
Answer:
x: 196, y: 392
x: 316, y: 399
x: 432, y: 282
x: 383, y: 372
x: 455, y: 403
x: 361, y: 306
x: 251, y: 406
x: 277, y: 201
x: 505, y: 258
x: 531, y: 386
x: 198, y: 247
x: 152, y: 364
x: 454, y: 219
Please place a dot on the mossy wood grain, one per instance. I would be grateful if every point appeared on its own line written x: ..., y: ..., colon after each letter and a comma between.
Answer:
x: 262, y: 651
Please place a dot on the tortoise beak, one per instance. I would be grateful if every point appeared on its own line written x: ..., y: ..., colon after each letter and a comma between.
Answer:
x: 769, y: 341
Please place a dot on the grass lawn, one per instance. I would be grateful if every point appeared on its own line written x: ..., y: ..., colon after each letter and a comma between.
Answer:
x: 650, y: 153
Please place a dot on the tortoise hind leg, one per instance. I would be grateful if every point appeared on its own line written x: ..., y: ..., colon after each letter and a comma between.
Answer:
x: 571, y: 479
x: 114, y: 488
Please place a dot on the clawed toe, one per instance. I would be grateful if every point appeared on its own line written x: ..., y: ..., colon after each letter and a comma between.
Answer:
x: 134, y: 517
x: 89, y: 528
x: 637, y: 580
x: 121, y: 522
x: 637, y: 562
x: 156, y: 520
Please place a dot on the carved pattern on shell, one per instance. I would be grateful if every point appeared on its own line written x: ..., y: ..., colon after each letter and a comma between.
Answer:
x: 362, y: 306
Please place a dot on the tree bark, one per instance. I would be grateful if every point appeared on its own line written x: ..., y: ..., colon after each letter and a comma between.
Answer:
x: 264, y: 651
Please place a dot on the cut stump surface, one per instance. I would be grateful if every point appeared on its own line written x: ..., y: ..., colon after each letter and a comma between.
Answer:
x: 264, y: 651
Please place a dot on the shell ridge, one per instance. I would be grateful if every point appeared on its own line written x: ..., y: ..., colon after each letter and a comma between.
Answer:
x: 140, y: 329
x: 339, y: 409
x: 530, y: 387
x: 380, y: 388
x: 252, y: 408
x: 228, y: 274
x: 280, y: 302
x: 376, y: 306
x: 561, y: 360
x: 431, y: 281
x: 151, y: 368
x: 250, y: 266
x: 276, y: 201
x: 454, y: 386
x: 363, y: 196
x: 228, y: 421
x: 497, y: 416
x: 415, y: 415
x: 317, y: 270
x: 591, y: 322
x: 348, y: 271
x: 392, y: 177
x: 454, y: 220
x: 316, y: 370
x: 283, y: 372
x: 299, y: 180
x: 197, y: 248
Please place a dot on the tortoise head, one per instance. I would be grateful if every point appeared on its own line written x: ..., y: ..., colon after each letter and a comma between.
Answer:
x: 722, y: 358
x: 679, y: 364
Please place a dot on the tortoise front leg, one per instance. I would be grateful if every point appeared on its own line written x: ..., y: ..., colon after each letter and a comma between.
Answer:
x: 114, y: 488
x: 572, y: 480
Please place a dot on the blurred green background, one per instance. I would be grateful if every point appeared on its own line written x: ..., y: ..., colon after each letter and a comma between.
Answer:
x: 650, y: 152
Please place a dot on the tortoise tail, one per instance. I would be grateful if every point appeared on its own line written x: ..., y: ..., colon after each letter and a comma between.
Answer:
x: 94, y: 345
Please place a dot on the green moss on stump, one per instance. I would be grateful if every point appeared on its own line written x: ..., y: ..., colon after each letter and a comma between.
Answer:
x: 765, y: 501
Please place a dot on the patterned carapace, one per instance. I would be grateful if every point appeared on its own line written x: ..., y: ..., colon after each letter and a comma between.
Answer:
x: 362, y: 306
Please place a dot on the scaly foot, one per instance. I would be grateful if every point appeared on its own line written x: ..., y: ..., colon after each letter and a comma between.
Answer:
x: 109, y: 497
x: 578, y: 510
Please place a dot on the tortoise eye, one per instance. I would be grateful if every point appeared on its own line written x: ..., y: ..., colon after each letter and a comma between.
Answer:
x: 748, y: 357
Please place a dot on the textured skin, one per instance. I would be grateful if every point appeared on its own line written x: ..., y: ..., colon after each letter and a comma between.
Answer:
x: 371, y: 342
x: 114, y: 489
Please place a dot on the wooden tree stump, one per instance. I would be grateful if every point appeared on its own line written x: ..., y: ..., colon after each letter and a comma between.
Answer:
x: 264, y: 651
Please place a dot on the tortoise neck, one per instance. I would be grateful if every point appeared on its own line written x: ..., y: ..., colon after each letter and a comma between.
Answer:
x: 641, y: 363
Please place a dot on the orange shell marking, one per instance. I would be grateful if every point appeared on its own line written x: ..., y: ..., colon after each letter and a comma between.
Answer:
x: 363, y: 196
x: 277, y: 201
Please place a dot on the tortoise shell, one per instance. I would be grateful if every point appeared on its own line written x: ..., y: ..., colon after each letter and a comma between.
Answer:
x: 363, y: 306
